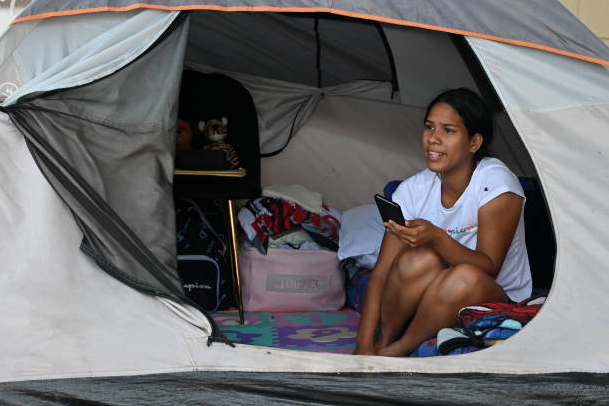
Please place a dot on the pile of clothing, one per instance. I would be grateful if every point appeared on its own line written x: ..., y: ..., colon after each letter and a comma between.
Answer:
x: 481, y: 326
x: 290, y: 216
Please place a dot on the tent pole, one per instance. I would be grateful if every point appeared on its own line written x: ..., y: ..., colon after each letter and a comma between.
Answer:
x: 235, y: 260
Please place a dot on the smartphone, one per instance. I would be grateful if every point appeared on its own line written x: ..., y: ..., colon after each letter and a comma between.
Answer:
x: 389, y: 210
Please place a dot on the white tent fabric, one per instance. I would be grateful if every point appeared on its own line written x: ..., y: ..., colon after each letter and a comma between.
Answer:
x: 551, y: 82
x: 375, y: 133
x: 384, y: 145
x: 562, y: 124
x: 64, y: 317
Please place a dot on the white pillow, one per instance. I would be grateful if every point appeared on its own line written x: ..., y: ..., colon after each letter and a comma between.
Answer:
x: 361, y: 232
x: 367, y: 261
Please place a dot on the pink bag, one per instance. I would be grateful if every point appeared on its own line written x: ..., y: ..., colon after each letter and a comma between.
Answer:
x: 290, y: 280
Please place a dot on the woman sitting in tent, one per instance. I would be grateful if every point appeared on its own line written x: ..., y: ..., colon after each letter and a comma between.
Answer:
x: 463, y: 239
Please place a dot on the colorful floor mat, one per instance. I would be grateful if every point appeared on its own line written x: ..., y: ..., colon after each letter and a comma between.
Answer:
x: 311, y: 331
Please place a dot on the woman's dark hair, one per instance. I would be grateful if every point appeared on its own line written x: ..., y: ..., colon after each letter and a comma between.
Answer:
x: 473, y: 112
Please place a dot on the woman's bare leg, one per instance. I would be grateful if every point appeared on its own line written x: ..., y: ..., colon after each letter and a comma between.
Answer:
x: 452, y: 290
x: 413, y: 270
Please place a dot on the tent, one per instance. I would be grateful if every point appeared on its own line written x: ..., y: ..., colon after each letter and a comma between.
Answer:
x: 88, y: 285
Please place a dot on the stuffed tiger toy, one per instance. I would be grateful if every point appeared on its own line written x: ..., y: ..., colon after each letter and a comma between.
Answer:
x: 215, y: 132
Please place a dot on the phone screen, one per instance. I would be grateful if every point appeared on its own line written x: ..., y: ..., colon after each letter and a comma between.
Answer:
x: 389, y: 210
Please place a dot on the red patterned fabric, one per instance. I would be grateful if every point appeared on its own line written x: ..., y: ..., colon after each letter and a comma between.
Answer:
x: 522, y: 312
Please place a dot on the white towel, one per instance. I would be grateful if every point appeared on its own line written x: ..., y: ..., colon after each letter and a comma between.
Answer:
x: 307, y: 199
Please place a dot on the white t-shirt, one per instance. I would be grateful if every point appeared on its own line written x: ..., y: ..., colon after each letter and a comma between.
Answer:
x: 420, y: 197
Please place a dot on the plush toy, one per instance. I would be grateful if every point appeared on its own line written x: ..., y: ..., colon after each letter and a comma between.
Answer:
x: 189, y: 154
x: 214, y: 132
x: 183, y: 136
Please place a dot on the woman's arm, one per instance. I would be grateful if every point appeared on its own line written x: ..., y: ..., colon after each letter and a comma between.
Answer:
x: 497, y: 222
x: 371, y: 309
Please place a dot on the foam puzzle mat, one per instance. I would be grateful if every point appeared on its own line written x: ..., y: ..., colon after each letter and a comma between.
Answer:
x: 333, y: 331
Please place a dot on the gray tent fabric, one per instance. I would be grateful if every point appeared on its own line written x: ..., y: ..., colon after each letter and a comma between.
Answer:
x: 106, y: 126
x: 408, y: 46
x: 283, y: 107
x: 532, y: 22
x: 90, y: 55
x: 325, y: 56
x: 101, y: 46
x: 286, y: 90
x: 238, y: 388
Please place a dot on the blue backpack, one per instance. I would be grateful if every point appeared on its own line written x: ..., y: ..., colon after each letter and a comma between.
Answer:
x: 203, y: 264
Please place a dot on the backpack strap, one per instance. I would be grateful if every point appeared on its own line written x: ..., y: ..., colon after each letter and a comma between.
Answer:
x: 208, y: 225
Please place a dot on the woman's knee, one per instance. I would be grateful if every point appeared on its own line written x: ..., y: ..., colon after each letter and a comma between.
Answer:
x: 416, y: 262
x: 467, y: 282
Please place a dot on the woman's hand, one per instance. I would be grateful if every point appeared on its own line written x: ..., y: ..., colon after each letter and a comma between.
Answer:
x: 415, y: 233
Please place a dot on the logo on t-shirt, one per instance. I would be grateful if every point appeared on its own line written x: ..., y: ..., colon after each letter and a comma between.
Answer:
x: 457, y: 230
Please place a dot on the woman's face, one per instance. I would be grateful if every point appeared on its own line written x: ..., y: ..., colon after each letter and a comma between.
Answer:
x: 447, y: 144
